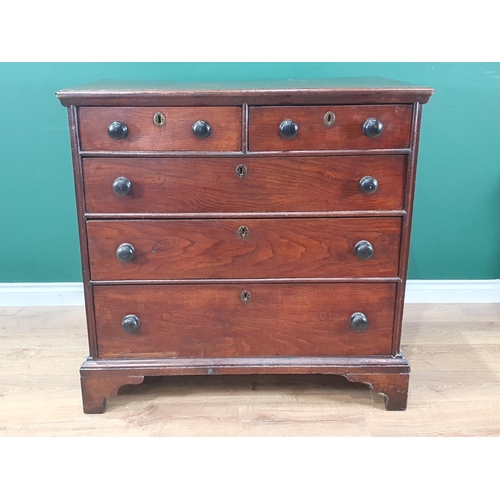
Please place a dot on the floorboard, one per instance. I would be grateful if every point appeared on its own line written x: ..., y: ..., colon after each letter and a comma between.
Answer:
x: 454, y: 351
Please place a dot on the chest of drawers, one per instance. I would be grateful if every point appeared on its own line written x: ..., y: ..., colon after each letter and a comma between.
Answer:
x: 244, y: 229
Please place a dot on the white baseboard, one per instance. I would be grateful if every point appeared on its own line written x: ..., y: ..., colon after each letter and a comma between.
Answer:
x: 452, y: 291
x: 41, y: 294
x: 417, y: 292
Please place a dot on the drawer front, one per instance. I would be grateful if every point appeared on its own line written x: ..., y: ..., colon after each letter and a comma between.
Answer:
x: 215, y: 185
x: 176, y: 134
x: 344, y: 132
x: 244, y: 248
x: 272, y: 320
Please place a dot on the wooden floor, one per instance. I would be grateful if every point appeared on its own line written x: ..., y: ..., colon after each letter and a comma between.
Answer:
x: 454, y: 351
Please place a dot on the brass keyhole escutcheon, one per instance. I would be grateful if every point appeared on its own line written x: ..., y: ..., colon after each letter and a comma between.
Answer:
x: 329, y: 119
x: 245, y: 296
x: 241, y: 171
x: 159, y: 119
x: 243, y: 231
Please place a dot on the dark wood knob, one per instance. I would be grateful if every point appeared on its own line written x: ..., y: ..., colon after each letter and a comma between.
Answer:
x: 368, y: 184
x: 122, y: 186
x: 372, y: 127
x: 201, y: 129
x: 288, y: 129
x: 125, y: 252
x: 363, y: 250
x: 130, y: 323
x: 117, y: 130
x: 358, y: 321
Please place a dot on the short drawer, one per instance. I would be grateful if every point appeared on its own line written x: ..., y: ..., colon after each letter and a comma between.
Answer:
x: 183, y: 321
x: 142, y: 129
x: 249, y: 185
x: 244, y: 248
x: 305, y: 128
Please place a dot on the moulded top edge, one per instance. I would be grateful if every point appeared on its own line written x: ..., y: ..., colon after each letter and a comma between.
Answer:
x: 354, y: 90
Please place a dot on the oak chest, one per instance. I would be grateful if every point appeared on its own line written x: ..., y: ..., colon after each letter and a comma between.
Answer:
x: 244, y: 229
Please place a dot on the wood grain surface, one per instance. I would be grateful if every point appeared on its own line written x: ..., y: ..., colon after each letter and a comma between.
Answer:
x: 346, y: 133
x: 212, y: 321
x: 340, y: 90
x: 274, y: 184
x: 176, y: 134
x: 454, y: 386
x: 273, y: 248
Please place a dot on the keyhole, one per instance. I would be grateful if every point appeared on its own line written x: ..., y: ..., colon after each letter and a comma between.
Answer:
x: 159, y: 119
x: 245, y: 296
x: 329, y: 119
x: 243, y: 232
x: 241, y: 171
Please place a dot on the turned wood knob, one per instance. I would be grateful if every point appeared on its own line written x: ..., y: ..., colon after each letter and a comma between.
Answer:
x: 125, y: 252
x: 288, y: 129
x: 372, y: 127
x: 130, y: 323
x: 368, y: 184
x: 358, y: 321
x: 117, y: 130
x: 201, y: 129
x: 363, y: 250
x: 122, y: 186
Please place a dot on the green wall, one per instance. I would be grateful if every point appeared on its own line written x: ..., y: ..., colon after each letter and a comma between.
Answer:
x: 456, y: 232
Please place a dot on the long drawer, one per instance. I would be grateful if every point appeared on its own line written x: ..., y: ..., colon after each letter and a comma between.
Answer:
x: 250, y: 185
x: 244, y: 248
x: 238, y: 320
